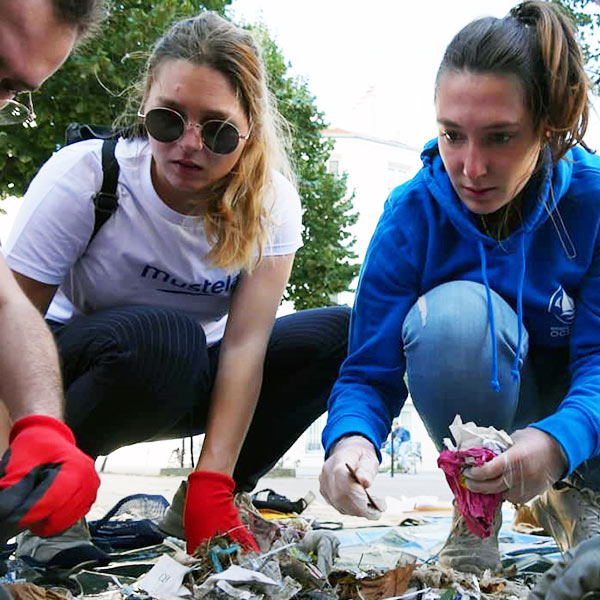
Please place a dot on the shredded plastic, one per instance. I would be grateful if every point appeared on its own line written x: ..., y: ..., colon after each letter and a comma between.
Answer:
x: 477, y: 509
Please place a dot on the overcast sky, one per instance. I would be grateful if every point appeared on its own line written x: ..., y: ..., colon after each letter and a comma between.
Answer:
x: 371, y: 69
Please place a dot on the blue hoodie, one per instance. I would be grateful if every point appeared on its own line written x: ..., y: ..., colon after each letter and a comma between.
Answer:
x: 426, y: 237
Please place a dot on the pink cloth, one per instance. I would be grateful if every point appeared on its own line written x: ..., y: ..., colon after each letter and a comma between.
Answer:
x: 477, y: 509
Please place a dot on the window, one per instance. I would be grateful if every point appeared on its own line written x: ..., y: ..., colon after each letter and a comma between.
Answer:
x: 396, y: 175
x: 313, y: 435
x: 333, y: 167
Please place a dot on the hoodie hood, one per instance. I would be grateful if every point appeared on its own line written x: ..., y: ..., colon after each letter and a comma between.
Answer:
x: 538, y: 204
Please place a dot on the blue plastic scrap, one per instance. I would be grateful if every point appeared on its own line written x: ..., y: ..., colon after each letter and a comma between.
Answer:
x: 216, y: 551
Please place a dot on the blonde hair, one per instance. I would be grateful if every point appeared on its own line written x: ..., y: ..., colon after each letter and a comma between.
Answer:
x: 237, y: 218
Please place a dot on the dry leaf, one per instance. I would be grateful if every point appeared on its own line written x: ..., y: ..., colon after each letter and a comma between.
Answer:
x: 392, y: 583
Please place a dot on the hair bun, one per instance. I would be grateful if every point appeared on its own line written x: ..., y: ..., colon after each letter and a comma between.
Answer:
x: 526, y: 13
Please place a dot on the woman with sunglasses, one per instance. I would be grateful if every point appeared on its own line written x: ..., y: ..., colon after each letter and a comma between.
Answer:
x: 482, y: 283
x: 165, y: 321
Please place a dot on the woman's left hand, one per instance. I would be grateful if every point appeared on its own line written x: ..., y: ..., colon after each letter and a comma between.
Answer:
x: 209, y: 511
x: 526, y: 469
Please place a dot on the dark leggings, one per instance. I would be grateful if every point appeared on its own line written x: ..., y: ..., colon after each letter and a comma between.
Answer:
x: 142, y: 373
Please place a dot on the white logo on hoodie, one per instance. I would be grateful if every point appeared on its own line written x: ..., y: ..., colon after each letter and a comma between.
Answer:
x: 562, y: 306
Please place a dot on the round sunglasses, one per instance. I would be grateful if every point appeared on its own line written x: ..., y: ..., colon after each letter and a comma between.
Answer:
x: 167, y: 125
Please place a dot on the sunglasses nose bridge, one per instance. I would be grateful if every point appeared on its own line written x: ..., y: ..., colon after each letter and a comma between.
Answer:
x: 196, y: 129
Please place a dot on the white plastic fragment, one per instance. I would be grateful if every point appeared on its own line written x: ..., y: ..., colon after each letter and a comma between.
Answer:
x: 409, y: 595
x: 234, y: 592
x: 234, y: 574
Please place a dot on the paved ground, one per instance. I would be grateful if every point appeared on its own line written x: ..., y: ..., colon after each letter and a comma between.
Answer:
x: 116, y: 486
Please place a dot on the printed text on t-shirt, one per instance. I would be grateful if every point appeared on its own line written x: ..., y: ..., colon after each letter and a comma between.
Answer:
x: 204, y: 288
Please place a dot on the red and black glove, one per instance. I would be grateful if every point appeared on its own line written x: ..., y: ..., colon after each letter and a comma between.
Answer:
x: 209, y: 511
x: 46, y: 482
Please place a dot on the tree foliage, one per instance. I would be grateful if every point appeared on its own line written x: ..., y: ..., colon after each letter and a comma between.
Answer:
x: 92, y: 87
x: 586, y: 15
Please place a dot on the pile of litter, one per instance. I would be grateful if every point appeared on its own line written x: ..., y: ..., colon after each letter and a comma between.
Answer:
x: 296, y: 561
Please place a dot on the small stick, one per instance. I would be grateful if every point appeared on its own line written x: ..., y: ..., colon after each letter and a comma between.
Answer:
x: 371, y: 503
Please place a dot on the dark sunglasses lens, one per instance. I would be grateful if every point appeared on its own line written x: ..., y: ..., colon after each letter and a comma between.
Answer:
x: 220, y: 137
x: 164, y: 125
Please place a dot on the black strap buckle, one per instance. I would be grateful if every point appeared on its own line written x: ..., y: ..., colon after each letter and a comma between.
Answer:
x: 105, y: 202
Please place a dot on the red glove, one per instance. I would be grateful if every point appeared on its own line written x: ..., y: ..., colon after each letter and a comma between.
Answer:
x: 209, y: 511
x: 46, y: 482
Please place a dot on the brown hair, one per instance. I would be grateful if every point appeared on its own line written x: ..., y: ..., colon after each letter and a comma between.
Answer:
x: 85, y: 15
x: 237, y: 219
x: 536, y: 43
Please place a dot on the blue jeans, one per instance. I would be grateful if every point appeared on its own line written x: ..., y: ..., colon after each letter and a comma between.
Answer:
x: 446, y: 339
x: 141, y: 373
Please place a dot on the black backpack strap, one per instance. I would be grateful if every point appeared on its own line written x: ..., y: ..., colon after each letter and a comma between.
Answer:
x: 77, y: 132
x: 106, y: 200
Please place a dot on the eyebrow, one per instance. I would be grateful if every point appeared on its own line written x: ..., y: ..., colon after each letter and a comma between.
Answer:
x: 169, y: 103
x: 498, y: 125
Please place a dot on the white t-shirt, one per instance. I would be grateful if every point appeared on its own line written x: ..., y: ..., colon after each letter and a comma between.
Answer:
x: 146, y: 253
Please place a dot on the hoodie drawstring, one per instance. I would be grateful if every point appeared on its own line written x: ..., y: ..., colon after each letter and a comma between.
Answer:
x: 494, y: 382
x: 515, y: 368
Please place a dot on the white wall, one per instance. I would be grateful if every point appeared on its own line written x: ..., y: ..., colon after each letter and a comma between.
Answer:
x: 374, y: 167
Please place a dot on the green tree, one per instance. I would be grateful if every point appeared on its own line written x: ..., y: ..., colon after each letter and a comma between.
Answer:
x: 586, y: 15
x: 92, y: 88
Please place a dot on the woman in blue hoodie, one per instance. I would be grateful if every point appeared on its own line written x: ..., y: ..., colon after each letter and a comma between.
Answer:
x: 482, y: 283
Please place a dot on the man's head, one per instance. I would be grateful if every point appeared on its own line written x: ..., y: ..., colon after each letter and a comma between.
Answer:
x: 36, y: 36
x: 84, y: 15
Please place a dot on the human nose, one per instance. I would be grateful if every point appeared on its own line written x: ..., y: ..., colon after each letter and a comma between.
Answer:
x: 474, y: 164
x: 192, y: 135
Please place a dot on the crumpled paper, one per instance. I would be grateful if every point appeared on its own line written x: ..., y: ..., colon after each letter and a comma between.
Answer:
x: 164, y: 580
x: 474, y: 446
x: 469, y: 435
